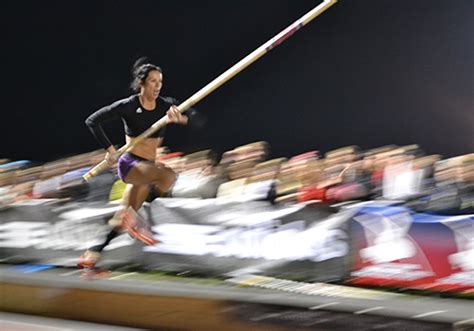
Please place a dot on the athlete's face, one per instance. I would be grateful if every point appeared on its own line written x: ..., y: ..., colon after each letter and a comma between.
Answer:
x: 152, y: 86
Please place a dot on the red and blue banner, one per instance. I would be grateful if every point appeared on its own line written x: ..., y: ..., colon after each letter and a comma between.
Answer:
x: 395, y: 247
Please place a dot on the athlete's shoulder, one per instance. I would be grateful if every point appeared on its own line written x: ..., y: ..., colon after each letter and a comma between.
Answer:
x: 126, y: 103
x: 130, y: 100
x: 168, y: 100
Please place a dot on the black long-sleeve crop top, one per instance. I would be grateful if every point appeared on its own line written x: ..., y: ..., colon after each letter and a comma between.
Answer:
x: 136, y: 119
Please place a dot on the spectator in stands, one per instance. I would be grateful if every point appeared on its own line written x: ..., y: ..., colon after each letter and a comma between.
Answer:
x: 200, y: 177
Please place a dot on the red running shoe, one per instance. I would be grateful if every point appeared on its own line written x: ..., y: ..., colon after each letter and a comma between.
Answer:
x: 88, y: 260
x: 137, y: 227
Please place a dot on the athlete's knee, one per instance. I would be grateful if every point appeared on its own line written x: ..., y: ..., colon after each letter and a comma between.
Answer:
x: 167, y: 180
x: 171, y: 179
x: 173, y: 176
x: 117, y: 218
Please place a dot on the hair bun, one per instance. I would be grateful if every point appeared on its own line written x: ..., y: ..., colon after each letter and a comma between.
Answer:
x: 138, y: 63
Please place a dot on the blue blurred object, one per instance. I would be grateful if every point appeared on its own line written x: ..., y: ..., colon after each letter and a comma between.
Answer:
x: 15, y: 164
x: 30, y: 268
x: 75, y: 174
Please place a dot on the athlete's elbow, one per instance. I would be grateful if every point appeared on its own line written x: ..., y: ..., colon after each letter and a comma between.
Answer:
x: 196, y: 120
x: 90, y: 122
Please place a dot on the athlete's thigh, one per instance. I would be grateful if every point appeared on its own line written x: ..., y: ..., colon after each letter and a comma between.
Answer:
x: 144, y: 173
x: 135, y: 195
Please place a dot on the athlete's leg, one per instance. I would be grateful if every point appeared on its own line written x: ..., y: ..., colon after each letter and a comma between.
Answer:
x: 138, y: 178
x: 133, y: 197
x: 146, y: 173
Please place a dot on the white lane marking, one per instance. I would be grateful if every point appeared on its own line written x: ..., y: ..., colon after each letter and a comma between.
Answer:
x: 434, y: 312
x: 363, y: 311
x: 464, y: 322
x: 124, y: 275
x: 324, y: 305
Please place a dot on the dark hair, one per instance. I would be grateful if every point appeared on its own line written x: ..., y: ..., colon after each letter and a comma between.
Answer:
x: 140, y: 71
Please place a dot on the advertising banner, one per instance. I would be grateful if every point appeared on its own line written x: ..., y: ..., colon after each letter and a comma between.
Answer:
x: 212, y: 236
x: 394, y: 247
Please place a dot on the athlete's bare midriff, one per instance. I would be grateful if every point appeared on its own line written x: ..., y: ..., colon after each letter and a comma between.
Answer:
x: 145, y: 148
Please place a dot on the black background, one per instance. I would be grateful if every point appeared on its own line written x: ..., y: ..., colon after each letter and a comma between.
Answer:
x: 366, y: 72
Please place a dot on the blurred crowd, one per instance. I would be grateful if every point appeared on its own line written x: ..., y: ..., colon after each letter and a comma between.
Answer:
x: 402, y: 174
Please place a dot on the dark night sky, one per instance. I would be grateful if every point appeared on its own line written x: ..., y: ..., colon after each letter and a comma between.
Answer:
x: 366, y: 72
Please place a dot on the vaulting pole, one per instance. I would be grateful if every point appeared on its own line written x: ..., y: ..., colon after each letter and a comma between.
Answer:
x: 224, y: 77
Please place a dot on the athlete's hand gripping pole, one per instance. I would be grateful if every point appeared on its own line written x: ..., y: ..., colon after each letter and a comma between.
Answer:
x: 220, y: 80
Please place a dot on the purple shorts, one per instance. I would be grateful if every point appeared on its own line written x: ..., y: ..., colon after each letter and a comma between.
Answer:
x: 126, y: 162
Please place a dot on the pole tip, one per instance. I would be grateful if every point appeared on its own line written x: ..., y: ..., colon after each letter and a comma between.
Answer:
x: 87, y: 177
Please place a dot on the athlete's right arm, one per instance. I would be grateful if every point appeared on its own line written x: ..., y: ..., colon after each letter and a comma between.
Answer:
x: 104, y: 114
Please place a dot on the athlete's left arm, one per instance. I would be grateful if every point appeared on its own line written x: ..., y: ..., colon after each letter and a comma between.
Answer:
x: 192, y: 117
x: 174, y: 116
